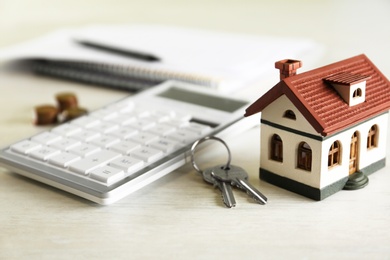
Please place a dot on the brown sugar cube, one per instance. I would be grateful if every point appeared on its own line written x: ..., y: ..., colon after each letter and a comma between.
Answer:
x: 46, y: 114
x: 66, y: 101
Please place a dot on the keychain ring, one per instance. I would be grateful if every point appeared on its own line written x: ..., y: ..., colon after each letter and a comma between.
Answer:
x: 211, y: 137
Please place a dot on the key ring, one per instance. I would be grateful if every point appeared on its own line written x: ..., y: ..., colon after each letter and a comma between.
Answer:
x: 211, y: 137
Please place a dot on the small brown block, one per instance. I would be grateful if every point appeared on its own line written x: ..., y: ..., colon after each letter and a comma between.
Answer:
x: 46, y: 114
x: 66, y: 101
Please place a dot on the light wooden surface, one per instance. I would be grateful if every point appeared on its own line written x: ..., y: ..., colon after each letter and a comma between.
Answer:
x: 179, y: 216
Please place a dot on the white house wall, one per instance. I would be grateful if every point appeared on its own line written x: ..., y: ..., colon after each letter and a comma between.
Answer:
x: 288, y: 168
x: 274, y: 113
x: 365, y: 157
x: 320, y: 175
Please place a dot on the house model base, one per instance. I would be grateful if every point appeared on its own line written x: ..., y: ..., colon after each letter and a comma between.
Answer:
x: 320, y: 194
x: 324, y: 130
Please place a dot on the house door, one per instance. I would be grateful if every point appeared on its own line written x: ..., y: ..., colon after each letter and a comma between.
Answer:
x: 353, y: 156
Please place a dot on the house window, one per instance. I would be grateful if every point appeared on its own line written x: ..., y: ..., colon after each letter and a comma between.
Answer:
x: 289, y: 114
x: 304, y: 156
x: 334, y: 154
x: 372, y: 137
x: 276, y: 148
x: 357, y: 93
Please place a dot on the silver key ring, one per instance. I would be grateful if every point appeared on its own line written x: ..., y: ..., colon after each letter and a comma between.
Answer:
x: 211, y: 137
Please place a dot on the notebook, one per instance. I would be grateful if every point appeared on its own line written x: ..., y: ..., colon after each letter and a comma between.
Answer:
x: 221, y: 60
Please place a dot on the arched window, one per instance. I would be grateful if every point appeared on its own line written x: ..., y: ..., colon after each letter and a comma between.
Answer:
x: 357, y: 93
x: 276, y: 148
x: 289, y: 114
x: 372, y: 138
x: 334, y: 156
x: 304, y: 156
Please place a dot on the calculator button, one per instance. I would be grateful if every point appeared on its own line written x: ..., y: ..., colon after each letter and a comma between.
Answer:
x: 124, y: 132
x: 147, y: 154
x: 123, y: 120
x: 127, y: 163
x: 44, y: 153
x: 65, y: 144
x: 122, y: 106
x: 93, y: 161
x: 84, y: 149
x: 104, y: 127
x: 182, y: 116
x: 105, y: 141
x: 125, y: 147
x: 86, y: 135
x: 162, y: 116
x: 165, y: 145
x: 66, y: 129
x: 162, y: 129
x: 183, y: 136
x: 63, y: 159
x: 25, y: 147
x: 144, y: 138
x: 142, y: 124
x: 107, y: 174
x: 86, y: 121
x: 46, y: 138
x: 141, y: 112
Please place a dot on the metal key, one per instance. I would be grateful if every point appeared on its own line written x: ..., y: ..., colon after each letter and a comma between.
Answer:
x: 239, y: 177
x: 225, y: 188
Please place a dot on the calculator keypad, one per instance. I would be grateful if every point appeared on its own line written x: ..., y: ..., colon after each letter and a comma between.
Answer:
x: 112, y: 143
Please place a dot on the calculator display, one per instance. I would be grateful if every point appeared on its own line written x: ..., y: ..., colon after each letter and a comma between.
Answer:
x: 224, y: 104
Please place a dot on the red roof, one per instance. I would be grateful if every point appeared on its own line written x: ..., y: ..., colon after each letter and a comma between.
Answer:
x: 321, y: 105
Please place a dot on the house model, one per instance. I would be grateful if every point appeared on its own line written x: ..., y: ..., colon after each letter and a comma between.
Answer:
x: 323, y: 130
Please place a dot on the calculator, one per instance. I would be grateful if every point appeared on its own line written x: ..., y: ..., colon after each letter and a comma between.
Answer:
x: 117, y: 149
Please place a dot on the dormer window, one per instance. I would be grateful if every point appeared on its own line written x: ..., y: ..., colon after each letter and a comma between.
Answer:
x: 351, y: 87
x: 289, y: 114
x: 357, y: 93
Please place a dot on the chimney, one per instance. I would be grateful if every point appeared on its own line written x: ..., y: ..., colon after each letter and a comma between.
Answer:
x: 288, y: 67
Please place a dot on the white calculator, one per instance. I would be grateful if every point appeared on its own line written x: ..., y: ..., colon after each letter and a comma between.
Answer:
x: 119, y: 148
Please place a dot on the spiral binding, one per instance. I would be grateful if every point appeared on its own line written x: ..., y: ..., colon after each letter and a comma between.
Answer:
x: 116, y: 76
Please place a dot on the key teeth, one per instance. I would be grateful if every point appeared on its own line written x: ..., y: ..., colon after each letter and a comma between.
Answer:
x: 262, y: 202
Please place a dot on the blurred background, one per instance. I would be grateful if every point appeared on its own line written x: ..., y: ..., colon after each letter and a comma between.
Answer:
x: 347, y: 24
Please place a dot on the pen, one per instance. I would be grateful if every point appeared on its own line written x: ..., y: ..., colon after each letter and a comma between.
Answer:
x: 128, y: 53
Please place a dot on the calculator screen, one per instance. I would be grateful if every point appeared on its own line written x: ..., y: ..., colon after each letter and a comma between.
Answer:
x: 224, y: 104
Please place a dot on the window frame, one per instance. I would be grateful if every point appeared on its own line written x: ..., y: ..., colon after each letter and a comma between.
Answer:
x: 334, y: 155
x: 276, y: 148
x: 357, y: 93
x: 372, y: 137
x: 304, y: 156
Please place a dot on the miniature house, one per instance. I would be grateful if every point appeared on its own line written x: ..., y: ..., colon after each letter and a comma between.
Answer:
x: 323, y: 130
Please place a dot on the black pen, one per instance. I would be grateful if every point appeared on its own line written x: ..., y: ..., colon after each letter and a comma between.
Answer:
x: 128, y: 53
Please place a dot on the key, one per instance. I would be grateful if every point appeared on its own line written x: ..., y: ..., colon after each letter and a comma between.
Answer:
x: 64, y: 159
x: 224, y: 187
x: 46, y: 138
x: 44, y: 153
x: 93, y: 161
x: 25, y: 147
x: 107, y: 174
x: 239, y: 177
